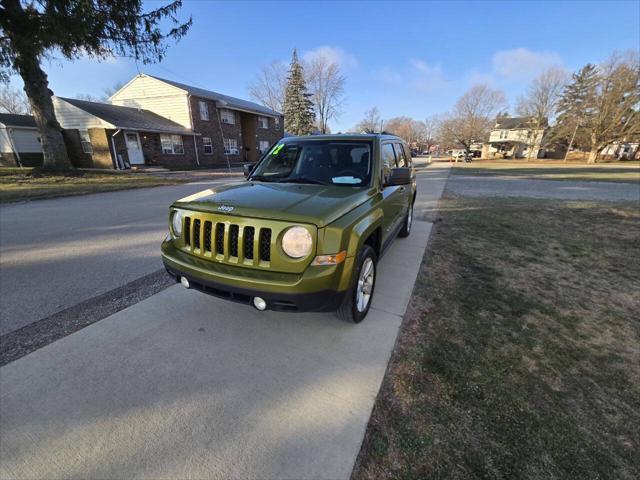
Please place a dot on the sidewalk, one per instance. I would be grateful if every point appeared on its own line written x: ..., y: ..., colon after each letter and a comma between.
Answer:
x: 184, y: 385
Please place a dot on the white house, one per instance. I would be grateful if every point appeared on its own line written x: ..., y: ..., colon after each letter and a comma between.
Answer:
x: 515, y: 137
x: 19, y: 141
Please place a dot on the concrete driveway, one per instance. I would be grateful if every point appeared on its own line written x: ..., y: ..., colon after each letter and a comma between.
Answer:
x: 57, y: 253
x: 183, y: 385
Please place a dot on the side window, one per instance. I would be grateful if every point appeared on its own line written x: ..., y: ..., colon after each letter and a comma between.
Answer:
x: 388, y: 161
x: 388, y: 156
x: 402, y: 160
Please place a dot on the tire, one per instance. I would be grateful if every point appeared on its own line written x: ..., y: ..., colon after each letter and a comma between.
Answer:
x: 351, y: 309
x: 408, y: 222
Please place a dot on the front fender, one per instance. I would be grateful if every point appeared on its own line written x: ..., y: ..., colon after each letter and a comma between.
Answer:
x: 350, y: 231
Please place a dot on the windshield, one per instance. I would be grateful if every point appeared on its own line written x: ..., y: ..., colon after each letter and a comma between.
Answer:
x: 328, y: 162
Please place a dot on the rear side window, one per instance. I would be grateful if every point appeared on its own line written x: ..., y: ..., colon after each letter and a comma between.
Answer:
x: 407, y: 152
x: 400, y: 156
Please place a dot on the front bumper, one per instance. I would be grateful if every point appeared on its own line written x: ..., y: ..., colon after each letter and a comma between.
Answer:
x: 314, y: 290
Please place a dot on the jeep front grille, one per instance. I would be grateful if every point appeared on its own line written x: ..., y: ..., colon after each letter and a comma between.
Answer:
x: 227, y: 241
x: 265, y: 244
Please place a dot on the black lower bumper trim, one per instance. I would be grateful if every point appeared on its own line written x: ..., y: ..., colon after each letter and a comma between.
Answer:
x: 323, y: 301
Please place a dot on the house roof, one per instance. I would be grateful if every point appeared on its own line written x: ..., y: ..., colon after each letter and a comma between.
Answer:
x: 232, y: 102
x: 511, y: 123
x: 13, y: 120
x: 129, y: 118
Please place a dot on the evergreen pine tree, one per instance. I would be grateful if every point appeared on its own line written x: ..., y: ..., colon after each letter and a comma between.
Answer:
x: 575, y: 107
x: 298, y: 108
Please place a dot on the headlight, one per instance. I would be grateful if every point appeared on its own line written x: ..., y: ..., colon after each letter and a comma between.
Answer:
x: 176, y: 223
x: 297, y: 242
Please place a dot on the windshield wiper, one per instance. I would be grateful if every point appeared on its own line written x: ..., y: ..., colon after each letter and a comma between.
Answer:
x: 304, y: 180
x: 265, y: 178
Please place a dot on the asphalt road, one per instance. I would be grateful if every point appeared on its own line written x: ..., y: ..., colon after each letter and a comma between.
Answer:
x: 183, y: 385
x: 57, y: 253
x: 508, y: 186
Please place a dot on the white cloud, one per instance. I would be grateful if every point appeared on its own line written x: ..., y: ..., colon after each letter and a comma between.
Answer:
x: 335, y: 54
x: 417, y: 74
x: 475, y: 77
x: 387, y: 76
x: 427, y: 78
x: 522, y: 63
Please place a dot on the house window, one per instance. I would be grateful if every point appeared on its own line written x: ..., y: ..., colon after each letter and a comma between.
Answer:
x: 228, y: 116
x: 230, y: 146
x: 263, y: 146
x: 85, y: 141
x: 172, y: 144
x: 277, y: 122
x: 204, y: 110
x: 207, y: 145
x: 263, y: 122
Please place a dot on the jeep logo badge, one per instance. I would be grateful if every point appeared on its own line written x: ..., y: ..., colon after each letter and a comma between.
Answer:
x: 225, y: 208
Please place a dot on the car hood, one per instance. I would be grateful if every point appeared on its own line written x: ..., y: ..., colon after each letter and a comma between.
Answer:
x: 316, y: 204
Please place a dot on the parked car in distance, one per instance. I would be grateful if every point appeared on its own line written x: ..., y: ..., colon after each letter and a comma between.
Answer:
x: 304, y: 232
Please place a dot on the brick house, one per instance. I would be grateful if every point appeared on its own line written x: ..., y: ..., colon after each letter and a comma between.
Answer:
x: 101, y: 135
x: 227, y: 130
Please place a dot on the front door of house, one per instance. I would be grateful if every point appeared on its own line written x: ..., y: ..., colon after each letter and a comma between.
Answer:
x: 134, y: 149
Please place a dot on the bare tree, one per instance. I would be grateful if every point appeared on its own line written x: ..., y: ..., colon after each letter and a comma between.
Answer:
x: 615, y: 114
x: 541, y: 99
x: 13, y: 100
x: 472, y: 117
x: 87, y: 97
x: 430, y: 127
x: 104, y: 98
x: 412, y: 131
x: 371, y: 123
x: 109, y: 91
x: 326, y: 84
x: 540, y: 104
x: 269, y: 85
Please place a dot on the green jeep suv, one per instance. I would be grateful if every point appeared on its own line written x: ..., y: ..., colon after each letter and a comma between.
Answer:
x: 305, y: 230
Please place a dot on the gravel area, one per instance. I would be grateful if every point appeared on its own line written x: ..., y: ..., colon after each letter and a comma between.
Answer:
x: 481, y: 186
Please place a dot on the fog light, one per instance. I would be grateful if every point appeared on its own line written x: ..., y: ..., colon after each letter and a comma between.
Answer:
x: 184, y: 282
x: 259, y: 303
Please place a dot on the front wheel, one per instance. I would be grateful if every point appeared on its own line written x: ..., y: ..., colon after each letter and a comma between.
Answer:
x: 357, y: 300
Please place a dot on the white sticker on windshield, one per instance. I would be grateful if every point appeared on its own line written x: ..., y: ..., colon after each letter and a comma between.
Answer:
x: 353, y: 180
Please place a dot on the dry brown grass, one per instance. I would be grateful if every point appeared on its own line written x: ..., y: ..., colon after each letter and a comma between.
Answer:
x: 519, y: 356
x: 29, y: 184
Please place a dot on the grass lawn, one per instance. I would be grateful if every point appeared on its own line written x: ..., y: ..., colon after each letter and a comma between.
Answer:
x: 28, y: 184
x: 519, y: 356
x: 549, y: 170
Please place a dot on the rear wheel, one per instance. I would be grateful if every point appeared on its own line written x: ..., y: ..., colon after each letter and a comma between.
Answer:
x: 408, y: 221
x: 357, y: 300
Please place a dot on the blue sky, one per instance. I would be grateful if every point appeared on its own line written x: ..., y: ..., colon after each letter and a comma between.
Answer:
x: 406, y: 58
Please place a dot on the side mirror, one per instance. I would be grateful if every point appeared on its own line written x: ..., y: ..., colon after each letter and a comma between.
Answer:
x: 247, y: 168
x: 399, y: 176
